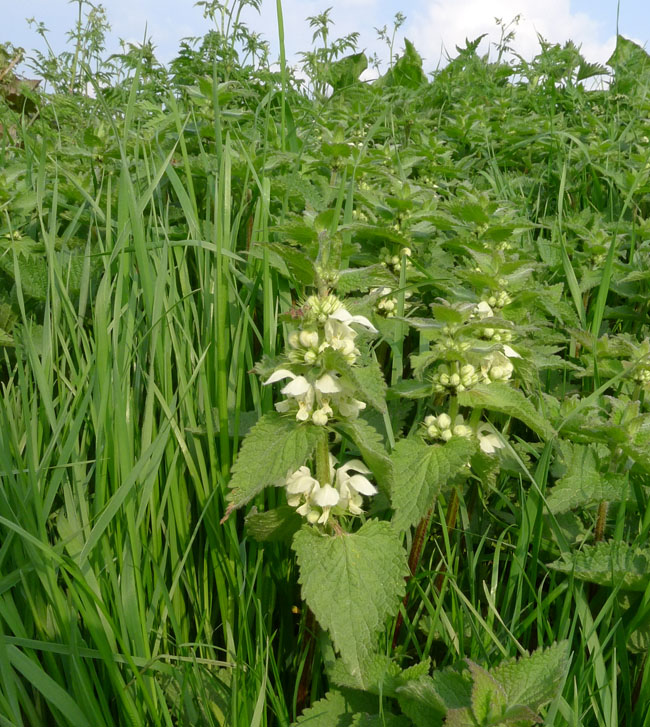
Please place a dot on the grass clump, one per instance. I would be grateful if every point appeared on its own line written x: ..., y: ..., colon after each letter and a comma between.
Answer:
x: 381, y: 346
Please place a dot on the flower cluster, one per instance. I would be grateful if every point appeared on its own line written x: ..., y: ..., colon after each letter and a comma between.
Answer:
x: 455, y: 378
x: 314, y: 400
x: 441, y: 427
x: 315, y: 501
x: 394, y: 262
x: 318, y: 394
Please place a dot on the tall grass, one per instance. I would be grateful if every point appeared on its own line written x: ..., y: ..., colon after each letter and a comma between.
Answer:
x: 129, y: 386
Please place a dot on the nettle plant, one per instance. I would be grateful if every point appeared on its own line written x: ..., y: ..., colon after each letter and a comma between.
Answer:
x: 349, y: 505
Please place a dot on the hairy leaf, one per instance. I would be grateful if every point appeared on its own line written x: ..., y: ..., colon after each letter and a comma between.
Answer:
x: 609, y: 564
x: 503, y: 398
x: 420, y: 470
x: 534, y: 680
x: 372, y: 449
x: 583, y: 485
x: 275, y: 525
x: 421, y: 703
x: 337, y: 709
x: 352, y: 583
x: 381, y: 675
x: 275, y: 446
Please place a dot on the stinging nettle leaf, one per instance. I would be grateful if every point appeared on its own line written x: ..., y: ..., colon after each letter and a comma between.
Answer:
x: 614, y: 563
x: 274, y: 447
x: 352, y: 583
x: 421, y: 702
x: 583, y: 485
x: 337, y: 709
x: 372, y: 449
x: 534, y: 680
x: 274, y: 525
x: 503, y: 398
x: 420, y: 470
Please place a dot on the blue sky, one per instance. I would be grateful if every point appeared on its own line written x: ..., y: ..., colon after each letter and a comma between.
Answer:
x: 435, y: 26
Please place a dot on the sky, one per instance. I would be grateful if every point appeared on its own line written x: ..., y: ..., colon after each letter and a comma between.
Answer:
x: 434, y: 26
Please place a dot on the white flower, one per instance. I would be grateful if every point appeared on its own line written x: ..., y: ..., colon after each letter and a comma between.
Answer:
x: 300, y: 484
x: 349, y: 407
x: 510, y: 352
x: 488, y: 441
x: 483, y: 310
x: 340, y: 337
x: 308, y: 339
x: 496, y: 367
x: 326, y: 497
x: 344, y: 316
x: 352, y: 487
x: 306, y: 394
x: 328, y: 384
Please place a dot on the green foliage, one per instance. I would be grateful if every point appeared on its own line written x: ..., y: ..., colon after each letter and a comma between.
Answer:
x: 420, y: 471
x: 274, y: 447
x: 614, y: 564
x: 513, y: 692
x: 352, y: 582
x: 161, y: 235
x: 506, y: 400
x: 584, y: 484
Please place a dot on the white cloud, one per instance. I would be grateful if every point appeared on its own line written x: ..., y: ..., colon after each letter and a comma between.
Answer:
x: 437, y: 29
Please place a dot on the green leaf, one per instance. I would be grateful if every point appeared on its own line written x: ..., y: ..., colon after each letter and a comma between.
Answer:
x: 346, y: 71
x: 637, y: 445
x: 488, y: 696
x: 421, y: 702
x: 372, y: 450
x: 412, y: 389
x: 534, y: 680
x: 275, y: 446
x: 275, y: 525
x: 352, y: 583
x: 420, y: 470
x: 503, y: 398
x: 609, y: 564
x: 583, y: 484
x: 337, y: 709
x: 381, y: 675
x: 368, y: 380
x: 513, y: 692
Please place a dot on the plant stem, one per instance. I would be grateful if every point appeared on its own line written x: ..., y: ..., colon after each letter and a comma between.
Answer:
x: 601, y: 521
x: 414, y: 559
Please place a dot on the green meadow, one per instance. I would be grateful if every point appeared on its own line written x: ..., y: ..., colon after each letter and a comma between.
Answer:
x: 323, y: 400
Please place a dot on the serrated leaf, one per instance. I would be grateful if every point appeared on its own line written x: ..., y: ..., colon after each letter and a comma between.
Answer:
x: 501, y: 397
x: 534, y: 680
x: 411, y: 389
x: 372, y: 449
x: 583, y: 485
x: 609, y: 564
x: 274, y: 525
x: 337, y: 709
x: 381, y: 675
x: 420, y: 470
x: 368, y: 380
x: 637, y: 446
x: 454, y: 687
x: 273, y: 447
x: 488, y: 695
x: 352, y: 583
x: 363, y: 279
x: 421, y: 703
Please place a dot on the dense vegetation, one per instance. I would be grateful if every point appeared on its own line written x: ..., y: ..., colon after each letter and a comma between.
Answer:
x: 439, y: 514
